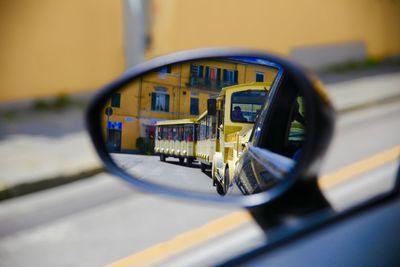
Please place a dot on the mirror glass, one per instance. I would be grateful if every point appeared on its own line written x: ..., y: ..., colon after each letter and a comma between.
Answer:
x: 192, y: 125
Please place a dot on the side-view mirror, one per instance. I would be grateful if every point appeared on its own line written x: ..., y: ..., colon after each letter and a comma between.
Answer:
x: 157, y: 127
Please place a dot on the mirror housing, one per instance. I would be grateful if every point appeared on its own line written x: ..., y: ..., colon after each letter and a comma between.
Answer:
x: 318, y: 107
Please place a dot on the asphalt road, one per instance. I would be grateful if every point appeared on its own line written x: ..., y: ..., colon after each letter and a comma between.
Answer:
x: 100, y: 220
x: 169, y: 173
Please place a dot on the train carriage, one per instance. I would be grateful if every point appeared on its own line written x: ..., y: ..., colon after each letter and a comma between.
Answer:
x: 225, y: 128
x: 218, y: 136
x: 176, y: 138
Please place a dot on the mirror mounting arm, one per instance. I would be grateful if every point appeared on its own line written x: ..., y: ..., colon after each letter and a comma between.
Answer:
x: 303, y: 198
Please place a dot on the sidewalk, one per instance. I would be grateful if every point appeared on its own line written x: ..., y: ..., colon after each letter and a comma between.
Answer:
x: 361, y: 92
x: 42, y: 149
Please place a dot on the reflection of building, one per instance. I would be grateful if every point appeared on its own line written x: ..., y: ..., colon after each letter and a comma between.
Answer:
x: 173, y: 92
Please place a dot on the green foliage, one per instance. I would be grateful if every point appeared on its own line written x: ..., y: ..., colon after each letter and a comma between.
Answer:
x: 145, y: 145
x: 355, y: 65
x: 41, y: 104
x: 140, y: 144
x: 61, y: 101
x: 9, y: 115
x: 150, y: 146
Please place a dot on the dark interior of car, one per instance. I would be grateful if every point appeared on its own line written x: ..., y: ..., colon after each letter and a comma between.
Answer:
x: 285, y: 109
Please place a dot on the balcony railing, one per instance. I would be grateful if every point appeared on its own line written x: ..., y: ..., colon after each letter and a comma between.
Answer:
x: 203, y: 83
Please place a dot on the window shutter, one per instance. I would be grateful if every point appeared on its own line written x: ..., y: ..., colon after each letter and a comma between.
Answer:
x: 194, y: 69
x: 225, y: 75
x: 166, y: 103
x: 194, y: 106
x: 218, y: 74
x: 259, y: 77
x: 153, y: 101
x: 116, y: 100
x: 207, y: 72
x: 201, y: 71
x: 236, y: 76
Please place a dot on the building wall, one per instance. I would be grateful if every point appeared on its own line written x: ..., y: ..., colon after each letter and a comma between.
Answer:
x: 136, y: 113
x: 340, y: 28
x: 50, y: 47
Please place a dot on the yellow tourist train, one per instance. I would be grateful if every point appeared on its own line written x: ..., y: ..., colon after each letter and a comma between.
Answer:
x: 176, y: 138
x: 218, y: 136
x: 225, y: 127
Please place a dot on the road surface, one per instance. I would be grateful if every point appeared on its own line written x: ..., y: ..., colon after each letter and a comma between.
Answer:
x: 100, y: 220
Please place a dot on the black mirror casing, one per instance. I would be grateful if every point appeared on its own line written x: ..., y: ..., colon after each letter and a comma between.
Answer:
x: 318, y: 107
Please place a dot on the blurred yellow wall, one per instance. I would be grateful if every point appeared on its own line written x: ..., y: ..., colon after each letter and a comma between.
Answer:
x: 278, y: 26
x: 49, y: 47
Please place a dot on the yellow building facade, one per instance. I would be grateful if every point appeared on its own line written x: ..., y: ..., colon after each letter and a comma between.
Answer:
x: 51, y: 47
x: 173, y: 92
x: 308, y: 30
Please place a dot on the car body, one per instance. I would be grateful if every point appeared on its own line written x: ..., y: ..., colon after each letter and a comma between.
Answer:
x: 301, y: 226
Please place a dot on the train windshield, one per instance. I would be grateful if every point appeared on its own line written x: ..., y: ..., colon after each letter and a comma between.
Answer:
x: 246, y: 105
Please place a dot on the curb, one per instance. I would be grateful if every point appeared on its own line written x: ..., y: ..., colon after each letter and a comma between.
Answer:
x: 373, y: 103
x: 39, y: 185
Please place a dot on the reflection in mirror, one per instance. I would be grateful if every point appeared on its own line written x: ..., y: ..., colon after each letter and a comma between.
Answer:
x: 260, y: 168
x: 189, y: 124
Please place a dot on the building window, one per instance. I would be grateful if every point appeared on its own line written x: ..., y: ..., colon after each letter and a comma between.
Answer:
x: 218, y: 74
x: 197, y: 71
x: 160, y: 102
x: 259, y: 77
x: 213, y: 74
x: 194, y: 70
x: 194, y: 106
x: 116, y: 100
x: 230, y: 76
x: 212, y: 96
x: 201, y: 71
x: 164, y: 70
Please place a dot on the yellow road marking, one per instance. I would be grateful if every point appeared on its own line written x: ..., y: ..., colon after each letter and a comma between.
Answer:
x: 185, y: 241
x: 223, y: 225
x: 359, y: 167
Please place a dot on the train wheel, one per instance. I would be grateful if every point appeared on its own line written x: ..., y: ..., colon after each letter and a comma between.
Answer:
x: 226, y: 180
x: 203, y: 167
x: 213, y: 174
x: 220, y: 189
x: 162, y: 157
